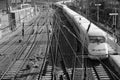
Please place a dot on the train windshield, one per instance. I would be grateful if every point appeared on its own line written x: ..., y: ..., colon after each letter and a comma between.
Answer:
x: 96, y: 39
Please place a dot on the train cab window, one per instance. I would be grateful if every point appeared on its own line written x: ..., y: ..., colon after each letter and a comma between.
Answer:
x: 96, y: 39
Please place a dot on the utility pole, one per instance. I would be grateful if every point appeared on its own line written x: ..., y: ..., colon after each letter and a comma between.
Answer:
x: 115, y: 14
x: 34, y: 5
x: 81, y: 5
x: 87, y: 8
x: 114, y: 18
x: 98, y: 5
x: 7, y: 6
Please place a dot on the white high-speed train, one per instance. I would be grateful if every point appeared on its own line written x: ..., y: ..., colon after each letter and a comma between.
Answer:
x: 100, y: 43
x: 80, y: 31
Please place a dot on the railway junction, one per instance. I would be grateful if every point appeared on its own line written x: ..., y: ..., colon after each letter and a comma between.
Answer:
x: 54, y: 40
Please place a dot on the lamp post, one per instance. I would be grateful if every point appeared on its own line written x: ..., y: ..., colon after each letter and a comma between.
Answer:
x: 98, y: 5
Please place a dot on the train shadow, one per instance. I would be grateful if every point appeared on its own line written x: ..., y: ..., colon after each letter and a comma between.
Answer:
x: 89, y: 63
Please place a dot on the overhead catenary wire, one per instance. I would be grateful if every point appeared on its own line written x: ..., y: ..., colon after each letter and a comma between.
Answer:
x: 84, y: 73
x: 70, y: 45
x: 70, y: 31
x: 52, y: 55
x: 80, y: 41
x: 56, y: 36
x: 75, y: 36
x: 61, y: 22
x: 56, y: 32
x: 46, y: 52
x: 58, y: 48
x: 56, y: 56
x: 73, y: 70
x: 63, y: 60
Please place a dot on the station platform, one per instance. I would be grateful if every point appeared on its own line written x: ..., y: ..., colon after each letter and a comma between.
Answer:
x: 6, y: 34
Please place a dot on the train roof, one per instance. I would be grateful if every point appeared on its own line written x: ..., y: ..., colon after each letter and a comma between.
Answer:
x: 94, y: 30
x: 84, y: 22
x: 71, y: 12
x: 75, y: 15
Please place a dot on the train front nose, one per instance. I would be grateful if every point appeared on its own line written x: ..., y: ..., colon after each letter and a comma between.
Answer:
x: 98, y: 50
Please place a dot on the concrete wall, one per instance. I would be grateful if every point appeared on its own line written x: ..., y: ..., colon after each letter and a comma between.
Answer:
x: 4, y: 20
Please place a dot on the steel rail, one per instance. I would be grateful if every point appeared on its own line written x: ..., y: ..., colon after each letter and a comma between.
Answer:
x: 14, y: 60
x: 16, y: 48
x: 32, y: 24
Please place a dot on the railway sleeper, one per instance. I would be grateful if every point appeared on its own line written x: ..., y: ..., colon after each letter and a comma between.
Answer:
x: 48, y: 75
x: 101, y: 72
x: 12, y: 72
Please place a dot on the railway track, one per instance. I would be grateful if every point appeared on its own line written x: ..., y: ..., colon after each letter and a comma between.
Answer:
x: 13, y: 43
x: 48, y: 74
x: 12, y: 40
x: 34, y: 71
x: 102, y: 71
x: 11, y: 52
x: 14, y: 66
x: 18, y: 62
x: 35, y: 50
